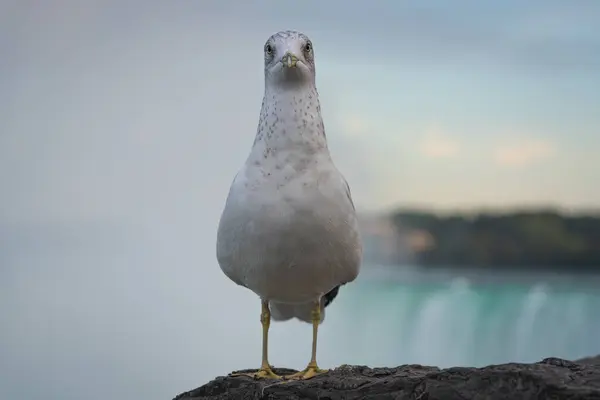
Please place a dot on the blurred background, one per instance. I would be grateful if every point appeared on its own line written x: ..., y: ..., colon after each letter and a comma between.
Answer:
x: 469, y: 133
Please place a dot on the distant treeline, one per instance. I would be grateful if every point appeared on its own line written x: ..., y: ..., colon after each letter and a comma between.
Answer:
x: 533, y: 239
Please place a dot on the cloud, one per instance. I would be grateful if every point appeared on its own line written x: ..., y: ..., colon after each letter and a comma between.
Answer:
x: 439, y: 145
x: 523, y: 153
x: 355, y: 126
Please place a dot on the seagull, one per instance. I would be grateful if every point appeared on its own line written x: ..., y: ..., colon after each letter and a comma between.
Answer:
x: 288, y: 231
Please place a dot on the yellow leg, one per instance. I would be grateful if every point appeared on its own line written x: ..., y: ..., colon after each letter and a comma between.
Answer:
x: 312, y: 369
x: 265, y: 371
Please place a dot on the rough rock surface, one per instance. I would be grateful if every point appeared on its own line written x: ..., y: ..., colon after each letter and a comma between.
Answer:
x: 551, y: 378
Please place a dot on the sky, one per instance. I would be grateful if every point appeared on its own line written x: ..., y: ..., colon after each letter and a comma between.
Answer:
x: 122, y: 124
x: 449, y: 105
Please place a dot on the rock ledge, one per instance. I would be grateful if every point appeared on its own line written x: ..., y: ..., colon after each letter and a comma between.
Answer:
x: 551, y: 378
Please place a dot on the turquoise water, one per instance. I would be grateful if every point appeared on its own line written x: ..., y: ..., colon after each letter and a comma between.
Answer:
x: 396, y: 315
x: 150, y: 315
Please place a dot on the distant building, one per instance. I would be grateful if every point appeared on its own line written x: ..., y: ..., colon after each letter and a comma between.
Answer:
x: 385, y: 243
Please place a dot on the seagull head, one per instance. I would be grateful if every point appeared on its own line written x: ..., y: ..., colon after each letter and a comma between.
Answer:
x: 289, y: 59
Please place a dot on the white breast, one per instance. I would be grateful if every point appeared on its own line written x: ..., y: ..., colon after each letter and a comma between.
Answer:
x: 289, y: 231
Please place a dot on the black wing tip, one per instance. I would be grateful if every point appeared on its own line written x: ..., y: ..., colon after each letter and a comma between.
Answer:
x: 330, y: 296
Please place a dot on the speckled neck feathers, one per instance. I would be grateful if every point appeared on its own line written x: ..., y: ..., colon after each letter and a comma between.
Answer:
x: 290, y: 120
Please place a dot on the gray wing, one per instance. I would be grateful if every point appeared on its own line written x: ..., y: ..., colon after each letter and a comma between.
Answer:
x: 348, y: 193
x: 329, y: 297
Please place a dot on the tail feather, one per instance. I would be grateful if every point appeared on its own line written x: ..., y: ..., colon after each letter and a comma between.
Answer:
x: 284, y: 312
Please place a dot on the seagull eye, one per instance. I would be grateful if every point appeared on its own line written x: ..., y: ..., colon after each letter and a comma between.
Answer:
x: 268, y: 49
x: 308, y: 47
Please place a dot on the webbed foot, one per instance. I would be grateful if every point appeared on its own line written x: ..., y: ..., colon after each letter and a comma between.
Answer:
x: 309, y: 372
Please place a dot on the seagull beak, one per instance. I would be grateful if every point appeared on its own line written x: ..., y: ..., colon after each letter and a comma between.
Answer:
x: 289, y: 60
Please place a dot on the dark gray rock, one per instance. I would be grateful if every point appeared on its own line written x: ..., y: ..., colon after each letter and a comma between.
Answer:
x: 551, y: 378
x: 590, y: 360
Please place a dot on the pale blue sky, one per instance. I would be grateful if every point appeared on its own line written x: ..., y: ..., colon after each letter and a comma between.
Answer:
x: 448, y: 104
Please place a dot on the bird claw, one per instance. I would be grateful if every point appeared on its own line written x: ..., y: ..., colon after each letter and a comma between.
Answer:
x: 307, y: 373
